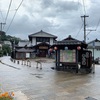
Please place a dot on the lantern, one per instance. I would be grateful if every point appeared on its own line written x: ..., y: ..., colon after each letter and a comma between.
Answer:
x: 50, y: 50
x: 55, y: 48
x: 78, y: 48
x: 66, y: 48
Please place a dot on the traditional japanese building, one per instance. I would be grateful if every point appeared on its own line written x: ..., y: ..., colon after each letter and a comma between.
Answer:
x: 72, y: 54
x: 41, y: 42
x: 38, y: 45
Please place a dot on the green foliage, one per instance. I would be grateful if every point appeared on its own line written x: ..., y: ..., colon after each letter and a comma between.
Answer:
x: 3, y: 38
x: 9, y: 38
x: 6, y: 49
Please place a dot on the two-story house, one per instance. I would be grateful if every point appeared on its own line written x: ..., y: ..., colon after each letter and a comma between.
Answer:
x: 41, y: 41
x: 38, y: 45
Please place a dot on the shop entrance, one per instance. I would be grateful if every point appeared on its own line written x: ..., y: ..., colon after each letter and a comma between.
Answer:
x: 42, y: 53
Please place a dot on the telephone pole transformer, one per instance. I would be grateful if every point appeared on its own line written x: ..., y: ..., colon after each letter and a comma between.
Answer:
x: 84, y: 17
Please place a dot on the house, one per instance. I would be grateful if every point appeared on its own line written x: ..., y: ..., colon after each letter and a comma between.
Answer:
x: 37, y: 45
x: 41, y: 41
x: 8, y: 43
x: 22, y: 51
x: 94, y: 46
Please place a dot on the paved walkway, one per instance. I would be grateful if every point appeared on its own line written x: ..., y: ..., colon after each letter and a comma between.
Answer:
x: 30, y: 83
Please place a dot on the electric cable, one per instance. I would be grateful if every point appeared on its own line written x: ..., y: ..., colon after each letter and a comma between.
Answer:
x: 14, y: 15
x: 84, y: 7
x: 79, y: 30
x: 8, y: 12
x: 97, y: 25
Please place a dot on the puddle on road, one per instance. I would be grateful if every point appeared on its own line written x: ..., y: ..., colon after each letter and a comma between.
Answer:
x: 37, y: 75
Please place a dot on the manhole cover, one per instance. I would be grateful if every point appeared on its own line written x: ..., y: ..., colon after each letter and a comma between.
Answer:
x: 90, y: 98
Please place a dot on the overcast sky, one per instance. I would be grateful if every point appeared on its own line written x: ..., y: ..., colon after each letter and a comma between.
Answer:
x: 57, y: 17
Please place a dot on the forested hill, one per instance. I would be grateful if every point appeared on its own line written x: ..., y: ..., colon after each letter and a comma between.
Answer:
x: 4, y: 37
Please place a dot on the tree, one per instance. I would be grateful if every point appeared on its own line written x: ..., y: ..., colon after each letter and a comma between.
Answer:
x: 1, y: 53
x: 6, y: 49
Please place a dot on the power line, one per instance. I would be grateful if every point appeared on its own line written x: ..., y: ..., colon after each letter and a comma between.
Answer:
x: 14, y: 15
x: 20, y: 4
x: 11, y: 21
x: 79, y: 30
x: 89, y: 32
x: 84, y: 7
x: 98, y: 24
x: 8, y: 11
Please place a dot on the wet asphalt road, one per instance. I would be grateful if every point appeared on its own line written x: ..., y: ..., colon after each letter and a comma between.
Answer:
x: 48, y: 84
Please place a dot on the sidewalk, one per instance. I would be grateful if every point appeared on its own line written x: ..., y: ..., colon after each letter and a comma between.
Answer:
x: 18, y: 95
x: 17, y: 64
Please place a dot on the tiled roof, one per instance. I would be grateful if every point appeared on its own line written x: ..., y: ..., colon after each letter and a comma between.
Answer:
x: 96, y: 40
x: 42, y: 34
x: 23, y: 43
x: 70, y: 42
x: 24, y: 50
x: 67, y: 42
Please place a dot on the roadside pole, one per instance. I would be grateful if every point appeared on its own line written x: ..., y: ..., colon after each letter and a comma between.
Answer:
x: 93, y: 67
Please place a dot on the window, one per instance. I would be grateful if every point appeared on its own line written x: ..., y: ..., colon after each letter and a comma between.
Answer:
x: 42, y: 39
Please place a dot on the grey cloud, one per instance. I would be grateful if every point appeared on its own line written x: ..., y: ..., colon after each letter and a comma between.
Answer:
x: 66, y: 13
x: 46, y: 4
x: 60, y: 5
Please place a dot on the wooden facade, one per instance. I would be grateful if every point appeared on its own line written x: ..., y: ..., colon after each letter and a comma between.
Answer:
x: 38, y: 45
x: 72, y: 54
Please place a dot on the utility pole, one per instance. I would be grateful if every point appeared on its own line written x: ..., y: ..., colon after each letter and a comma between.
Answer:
x: 1, y: 25
x: 84, y: 17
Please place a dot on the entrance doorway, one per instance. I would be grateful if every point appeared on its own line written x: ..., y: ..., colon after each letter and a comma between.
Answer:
x: 42, y: 53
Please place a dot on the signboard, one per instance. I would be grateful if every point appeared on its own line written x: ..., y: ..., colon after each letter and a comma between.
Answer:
x: 68, y: 56
x: 86, y: 59
x: 43, y: 47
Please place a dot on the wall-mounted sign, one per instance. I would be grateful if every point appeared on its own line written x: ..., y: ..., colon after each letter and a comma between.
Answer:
x: 43, y: 47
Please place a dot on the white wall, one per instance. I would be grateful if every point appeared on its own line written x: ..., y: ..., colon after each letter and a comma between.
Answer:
x: 96, y: 44
x: 96, y: 53
x: 33, y: 41
x: 51, y: 41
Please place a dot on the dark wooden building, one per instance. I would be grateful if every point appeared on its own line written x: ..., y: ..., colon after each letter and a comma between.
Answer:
x: 72, y: 54
x: 37, y: 45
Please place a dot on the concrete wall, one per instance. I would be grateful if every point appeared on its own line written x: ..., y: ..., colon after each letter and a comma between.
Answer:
x: 33, y: 41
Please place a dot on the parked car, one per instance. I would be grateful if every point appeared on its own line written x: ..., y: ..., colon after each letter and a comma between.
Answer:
x: 97, y: 60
